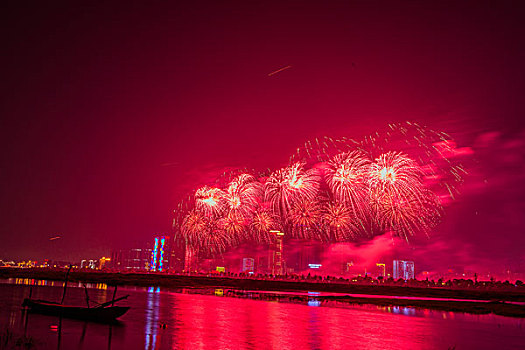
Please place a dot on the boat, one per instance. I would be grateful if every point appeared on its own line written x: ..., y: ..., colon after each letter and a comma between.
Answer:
x: 99, y: 313
x: 105, y: 312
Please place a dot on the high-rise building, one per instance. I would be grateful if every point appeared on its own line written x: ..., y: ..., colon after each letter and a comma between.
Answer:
x: 88, y: 264
x: 102, y: 262
x: 403, y: 269
x: 131, y: 259
x: 248, y: 265
x: 381, y: 269
x: 309, y: 253
x: 161, y: 253
x: 276, y: 253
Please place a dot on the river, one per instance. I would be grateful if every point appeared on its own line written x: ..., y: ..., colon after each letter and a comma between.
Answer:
x: 176, y: 319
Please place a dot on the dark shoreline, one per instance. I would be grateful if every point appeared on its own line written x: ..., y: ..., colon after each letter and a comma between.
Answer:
x: 497, y: 298
x: 478, y: 308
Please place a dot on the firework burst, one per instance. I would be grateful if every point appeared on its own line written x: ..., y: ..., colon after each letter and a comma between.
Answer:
x: 205, y: 234
x: 395, y: 174
x: 339, y: 222
x: 288, y: 185
x: 402, y: 204
x: 234, y: 225
x: 209, y: 200
x: 346, y: 175
x: 409, y: 215
x: 242, y: 195
x: 192, y: 227
x: 215, y: 240
x: 304, y: 218
x: 263, y: 221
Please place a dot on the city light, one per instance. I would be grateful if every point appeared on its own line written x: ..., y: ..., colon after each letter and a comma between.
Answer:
x: 154, y: 255
x: 161, y: 252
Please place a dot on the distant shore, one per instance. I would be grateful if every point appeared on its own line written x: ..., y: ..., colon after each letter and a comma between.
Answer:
x: 498, y: 299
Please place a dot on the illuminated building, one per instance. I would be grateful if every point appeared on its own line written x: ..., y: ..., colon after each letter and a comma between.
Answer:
x: 88, y: 264
x: 403, y: 269
x: 382, y: 269
x: 102, y: 262
x: 157, y: 255
x: 248, y: 265
x: 7, y: 263
x: 27, y: 264
x: 58, y: 264
x: 131, y: 259
x: 92, y: 264
x: 276, y: 253
x: 315, y: 266
x: 305, y: 254
x: 164, y: 257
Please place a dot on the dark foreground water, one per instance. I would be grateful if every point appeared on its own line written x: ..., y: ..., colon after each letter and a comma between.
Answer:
x: 199, y: 321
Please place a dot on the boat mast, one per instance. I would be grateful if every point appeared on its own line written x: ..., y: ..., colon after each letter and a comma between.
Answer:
x: 65, y: 284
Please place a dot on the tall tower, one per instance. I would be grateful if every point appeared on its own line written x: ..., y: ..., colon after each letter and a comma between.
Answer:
x: 382, y: 269
x: 409, y: 270
x: 397, y: 269
x: 276, y: 253
x: 160, y: 254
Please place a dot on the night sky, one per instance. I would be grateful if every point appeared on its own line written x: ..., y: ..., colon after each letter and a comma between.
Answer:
x: 111, y: 114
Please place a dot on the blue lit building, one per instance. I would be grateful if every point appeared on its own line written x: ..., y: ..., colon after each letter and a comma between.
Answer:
x: 160, y: 254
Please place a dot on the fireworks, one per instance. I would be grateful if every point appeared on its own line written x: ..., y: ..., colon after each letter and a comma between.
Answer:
x: 395, y: 174
x: 400, y: 200
x: 242, y: 195
x: 233, y: 225
x: 192, y: 227
x: 288, y: 185
x: 346, y: 175
x: 338, y: 222
x: 209, y: 200
x: 204, y: 233
x: 408, y: 215
x: 304, y: 218
x: 214, y: 239
x: 263, y: 221
x: 333, y: 190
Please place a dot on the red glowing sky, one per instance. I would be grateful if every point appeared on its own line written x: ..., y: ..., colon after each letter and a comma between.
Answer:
x: 110, y: 114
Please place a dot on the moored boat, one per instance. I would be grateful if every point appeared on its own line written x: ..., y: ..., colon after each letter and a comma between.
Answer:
x: 104, y: 312
x: 101, y: 313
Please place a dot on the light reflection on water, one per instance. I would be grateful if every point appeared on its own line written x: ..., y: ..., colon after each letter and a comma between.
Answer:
x: 152, y: 316
x: 35, y: 282
x: 213, y: 321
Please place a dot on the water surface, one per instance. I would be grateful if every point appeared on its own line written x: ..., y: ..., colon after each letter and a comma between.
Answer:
x: 164, y: 319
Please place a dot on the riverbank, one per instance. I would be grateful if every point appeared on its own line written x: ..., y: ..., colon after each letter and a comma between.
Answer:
x: 466, y: 306
x: 498, y: 298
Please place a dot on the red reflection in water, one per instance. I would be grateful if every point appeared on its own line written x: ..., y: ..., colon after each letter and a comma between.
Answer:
x: 195, y: 321
x: 203, y: 321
